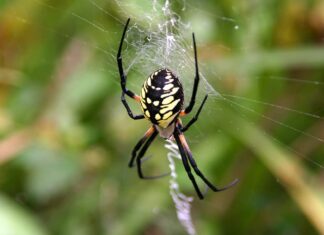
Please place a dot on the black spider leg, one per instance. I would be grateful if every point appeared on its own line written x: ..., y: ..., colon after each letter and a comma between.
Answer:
x: 146, y: 140
x: 183, y: 144
x: 198, y: 172
x: 196, y: 82
x: 139, y: 144
x: 129, y: 111
x: 123, y: 79
x: 195, y: 118
x: 185, y: 162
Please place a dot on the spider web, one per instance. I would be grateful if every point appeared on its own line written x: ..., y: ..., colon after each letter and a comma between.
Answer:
x: 158, y: 37
x: 160, y: 43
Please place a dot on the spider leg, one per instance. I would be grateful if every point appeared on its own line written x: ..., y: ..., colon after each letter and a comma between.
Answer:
x: 122, y: 74
x: 195, y: 118
x: 139, y: 144
x: 148, y: 137
x: 129, y: 111
x: 185, y: 162
x: 196, y: 169
x: 123, y: 79
x: 196, y: 81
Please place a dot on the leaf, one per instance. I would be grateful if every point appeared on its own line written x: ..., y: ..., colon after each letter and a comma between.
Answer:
x: 14, y: 220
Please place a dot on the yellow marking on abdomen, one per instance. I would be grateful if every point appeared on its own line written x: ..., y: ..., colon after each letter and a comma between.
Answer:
x: 147, y: 113
x: 164, y: 123
x: 168, y: 100
x: 167, y: 115
x: 157, y: 116
x: 169, y: 106
x: 168, y: 87
x: 149, y: 82
x: 143, y: 104
x: 173, y: 91
x: 143, y: 93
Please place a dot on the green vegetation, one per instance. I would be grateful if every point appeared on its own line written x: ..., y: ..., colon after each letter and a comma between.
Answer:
x: 65, y: 138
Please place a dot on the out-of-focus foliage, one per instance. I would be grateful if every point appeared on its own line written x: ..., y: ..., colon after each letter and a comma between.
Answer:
x: 65, y: 138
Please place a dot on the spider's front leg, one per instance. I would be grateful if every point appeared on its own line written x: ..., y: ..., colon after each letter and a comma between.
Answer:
x: 129, y: 111
x: 188, y: 109
x: 123, y: 79
x: 123, y: 76
x: 196, y: 81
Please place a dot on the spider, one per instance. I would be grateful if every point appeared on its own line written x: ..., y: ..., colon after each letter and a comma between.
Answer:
x: 162, y: 102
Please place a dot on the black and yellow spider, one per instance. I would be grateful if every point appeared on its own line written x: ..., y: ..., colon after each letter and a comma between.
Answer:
x: 162, y: 102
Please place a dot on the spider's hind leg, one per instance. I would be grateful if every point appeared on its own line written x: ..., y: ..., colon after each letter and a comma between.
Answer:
x: 198, y: 172
x: 185, y: 152
x: 148, y: 134
x: 142, y: 145
x: 185, y: 162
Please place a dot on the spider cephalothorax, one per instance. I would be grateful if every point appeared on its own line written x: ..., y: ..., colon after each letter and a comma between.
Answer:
x: 162, y: 102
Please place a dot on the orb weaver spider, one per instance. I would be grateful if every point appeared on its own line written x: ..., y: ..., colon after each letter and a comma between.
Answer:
x: 162, y: 101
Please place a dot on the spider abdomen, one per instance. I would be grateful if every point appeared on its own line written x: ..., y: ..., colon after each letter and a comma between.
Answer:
x: 162, y: 97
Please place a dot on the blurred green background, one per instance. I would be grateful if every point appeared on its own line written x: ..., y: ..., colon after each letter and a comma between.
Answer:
x: 65, y: 138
